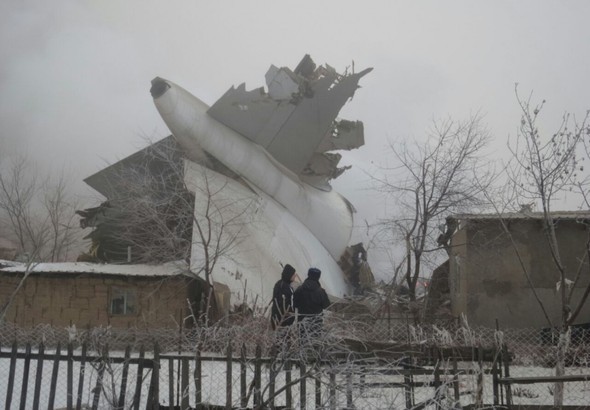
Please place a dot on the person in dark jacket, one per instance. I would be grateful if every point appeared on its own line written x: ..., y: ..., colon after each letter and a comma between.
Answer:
x: 310, y: 300
x: 282, y: 299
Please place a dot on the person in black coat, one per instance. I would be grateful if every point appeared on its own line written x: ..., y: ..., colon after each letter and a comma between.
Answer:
x: 282, y: 299
x: 310, y: 300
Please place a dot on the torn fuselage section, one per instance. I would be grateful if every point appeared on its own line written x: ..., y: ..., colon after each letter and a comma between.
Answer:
x: 296, y: 119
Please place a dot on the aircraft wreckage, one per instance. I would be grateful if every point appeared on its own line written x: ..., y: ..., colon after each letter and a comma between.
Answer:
x: 265, y: 158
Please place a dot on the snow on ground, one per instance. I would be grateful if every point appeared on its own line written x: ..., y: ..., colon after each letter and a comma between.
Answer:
x: 214, y: 392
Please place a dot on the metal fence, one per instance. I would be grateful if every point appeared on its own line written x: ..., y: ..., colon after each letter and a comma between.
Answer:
x: 439, y: 380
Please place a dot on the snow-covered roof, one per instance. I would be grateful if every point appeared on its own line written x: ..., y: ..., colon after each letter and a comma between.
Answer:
x: 572, y: 215
x: 76, y: 268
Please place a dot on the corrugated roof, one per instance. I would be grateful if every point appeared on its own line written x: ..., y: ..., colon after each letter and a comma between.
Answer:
x: 76, y: 268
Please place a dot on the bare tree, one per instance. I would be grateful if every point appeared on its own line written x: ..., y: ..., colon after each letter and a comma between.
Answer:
x: 163, y: 207
x: 18, y: 191
x: 544, y: 169
x: 39, y: 215
x: 431, y: 180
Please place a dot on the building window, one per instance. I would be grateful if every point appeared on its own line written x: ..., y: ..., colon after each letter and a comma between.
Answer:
x: 122, y: 302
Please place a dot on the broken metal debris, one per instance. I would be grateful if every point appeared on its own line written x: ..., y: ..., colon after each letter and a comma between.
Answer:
x: 295, y: 121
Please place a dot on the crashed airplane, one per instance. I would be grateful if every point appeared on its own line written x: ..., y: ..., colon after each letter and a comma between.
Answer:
x: 273, y: 150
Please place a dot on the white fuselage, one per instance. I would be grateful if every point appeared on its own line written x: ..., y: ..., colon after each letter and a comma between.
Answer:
x: 326, y: 215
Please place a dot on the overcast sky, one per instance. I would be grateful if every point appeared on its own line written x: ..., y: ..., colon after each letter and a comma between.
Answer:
x: 75, y: 75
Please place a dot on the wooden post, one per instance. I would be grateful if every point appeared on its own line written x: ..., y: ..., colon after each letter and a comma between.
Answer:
x: 495, y: 371
x: 332, y: 390
x: 24, y: 387
x: 499, y: 365
x: 38, y: 375
x: 54, y: 374
x: 11, y: 375
x: 258, y: 376
x: 362, y: 379
x: 272, y: 377
x: 156, y: 376
x: 99, y: 381
x: 228, y: 377
x: 288, y: 393
x: 479, y: 391
x: 407, y: 388
x: 153, y: 399
x: 81, y: 376
x: 437, y: 382
x: 506, y: 360
x: 243, y: 384
x: 456, y: 381
x: 139, y: 379
x: 171, y: 382
x: 70, y: 372
x: 302, y: 385
x: 349, y: 386
x: 124, y: 377
x: 184, y: 403
x: 198, y: 376
x: 318, y: 390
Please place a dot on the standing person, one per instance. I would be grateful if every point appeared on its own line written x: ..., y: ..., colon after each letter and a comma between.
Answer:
x: 310, y: 300
x: 282, y: 299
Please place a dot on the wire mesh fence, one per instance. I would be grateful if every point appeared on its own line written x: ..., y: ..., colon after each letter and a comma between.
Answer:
x: 335, y: 377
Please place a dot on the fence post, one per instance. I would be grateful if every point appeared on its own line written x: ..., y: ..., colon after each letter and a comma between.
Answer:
x: 506, y: 360
x: 24, y: 387
x: 288, y: 395
x: 102, y: 366
x: 156, y: 376
x: 243, y: 387
x: 228, y: 377
x: 139, y: 379
x: 11, y: 374
x: 272, y: 377
x: 81, y: 377
x: 153, y: 401
x: 332, y: 390
x: 302, y: 385
x: 407, y: 386
x: 495, y: 371
x: 184, y: 402
x: 479, y: 392
x: 362, y: 379
x: 198, y: 376
x: 318, y: 388
x: 456, y: 381
x: 437, y: 357
x: 171, y: 382
x: 40, y: 358
x: 70, y: 376
x: 258, y: 376
x: 349, y: 387
x: 54, y: 373
x: 123, y: 390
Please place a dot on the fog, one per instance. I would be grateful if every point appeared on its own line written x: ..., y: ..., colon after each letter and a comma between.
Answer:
x: 75, y: 74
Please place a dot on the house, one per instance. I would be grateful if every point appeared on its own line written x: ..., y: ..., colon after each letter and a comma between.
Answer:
x: 90, y: 295
x: 488, y: 258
